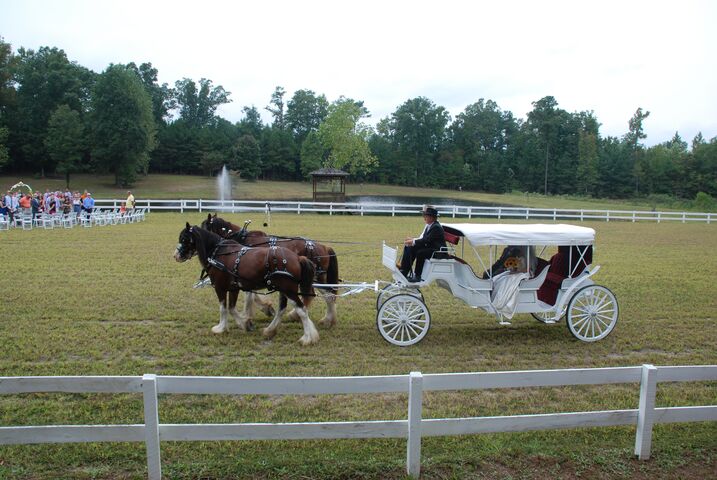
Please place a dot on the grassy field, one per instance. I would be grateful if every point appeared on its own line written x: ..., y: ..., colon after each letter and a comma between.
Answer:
x: 190, y: 187
x: 112, y: 301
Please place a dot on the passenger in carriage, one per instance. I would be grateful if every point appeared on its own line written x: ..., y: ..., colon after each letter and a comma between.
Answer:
x: 515, y: 258
x: 420, y: 248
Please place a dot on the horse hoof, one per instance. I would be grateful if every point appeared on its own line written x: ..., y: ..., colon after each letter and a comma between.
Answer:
x: 268, y: 334
x: 306, y: 340
x: 327, y: 322
x: 218, y: 329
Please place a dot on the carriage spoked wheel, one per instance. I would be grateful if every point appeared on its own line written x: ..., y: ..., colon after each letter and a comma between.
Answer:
x: 403, y: 320
x: 549, y: 316
x: 393, y: 289
x: 592, y: 313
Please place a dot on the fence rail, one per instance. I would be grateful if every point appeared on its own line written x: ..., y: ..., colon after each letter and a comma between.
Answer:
x: 392, y: 209
x: 413, y: 428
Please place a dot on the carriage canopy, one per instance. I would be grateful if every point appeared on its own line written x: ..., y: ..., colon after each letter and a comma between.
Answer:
x: 522, y: 234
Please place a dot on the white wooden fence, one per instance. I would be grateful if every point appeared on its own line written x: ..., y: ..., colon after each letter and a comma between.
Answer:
x: 413, y: 428
x: 240, y: 206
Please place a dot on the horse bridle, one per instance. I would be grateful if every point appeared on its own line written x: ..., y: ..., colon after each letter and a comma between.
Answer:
x: 181, y: 249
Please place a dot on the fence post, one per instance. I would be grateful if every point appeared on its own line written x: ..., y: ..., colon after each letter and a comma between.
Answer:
x: 646, y: 413
x: 199, y: 204
x: 151, y: 426
x: 415, y: 404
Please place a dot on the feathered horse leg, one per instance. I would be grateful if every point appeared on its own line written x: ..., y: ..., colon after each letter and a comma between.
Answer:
x: 239, y: 317
x: 270, y: 330
x: 222, y: 326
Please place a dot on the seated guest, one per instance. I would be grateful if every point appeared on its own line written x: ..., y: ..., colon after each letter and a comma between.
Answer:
x: 419, y: 249
x: 515, y: 259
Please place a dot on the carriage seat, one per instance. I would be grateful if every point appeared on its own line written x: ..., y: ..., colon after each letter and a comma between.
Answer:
x: 451, y: 241
x: 445, y: 255
x: 559, y: 271
x: 535, y: 282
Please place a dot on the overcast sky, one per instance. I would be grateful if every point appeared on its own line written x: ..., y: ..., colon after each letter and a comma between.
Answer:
x: 607, y: 56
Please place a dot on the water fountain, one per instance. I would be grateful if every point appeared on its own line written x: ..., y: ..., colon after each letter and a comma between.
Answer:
x: 224, y: 186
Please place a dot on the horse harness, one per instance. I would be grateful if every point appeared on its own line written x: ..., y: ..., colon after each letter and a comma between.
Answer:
x: 274, y: 263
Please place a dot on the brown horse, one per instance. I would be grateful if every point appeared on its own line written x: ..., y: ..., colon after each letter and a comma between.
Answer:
x: 323, y: 257
x: 233, y: 267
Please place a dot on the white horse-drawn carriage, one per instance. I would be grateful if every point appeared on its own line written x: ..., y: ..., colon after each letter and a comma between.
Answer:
x: 518, y: 281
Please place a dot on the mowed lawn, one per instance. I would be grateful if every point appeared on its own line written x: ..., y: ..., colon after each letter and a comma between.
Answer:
x: 112, y: 301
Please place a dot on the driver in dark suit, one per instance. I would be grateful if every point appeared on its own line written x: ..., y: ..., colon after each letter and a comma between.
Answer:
x: 421, y: 248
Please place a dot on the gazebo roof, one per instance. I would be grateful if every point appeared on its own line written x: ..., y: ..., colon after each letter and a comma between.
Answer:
x: 329, y: 172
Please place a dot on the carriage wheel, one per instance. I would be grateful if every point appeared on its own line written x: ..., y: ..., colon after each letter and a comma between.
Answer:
x: 394, y: 289
x: 592, y: 313
x: 549, y: 316
x: 403, y: 320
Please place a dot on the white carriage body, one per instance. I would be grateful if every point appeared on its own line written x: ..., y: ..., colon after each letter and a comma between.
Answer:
x: 459, y: 278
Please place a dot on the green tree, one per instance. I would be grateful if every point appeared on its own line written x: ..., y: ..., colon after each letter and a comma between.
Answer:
x: 702, y: 176
x: 587, y: 173
x: 279, y: 156
x: 212, y: 161
x: 46, y: 79
x: 251, y: 124
x: 632, y: 141
x: 482, y: 136
x: 417, y: 130
x: 345, y: 137
x: 305, y: 112
x: 248, y: 157
x: 545, y: 121
x: 65, y: 141
x: 163, y: 97
x: 123, y: 124
x: 8, y: 65
x: 312, y: 154
x: 198, y: 107
x: 276, y: 107
x: 614, y: 169
x: 179, y: 149
x: 4, y: 156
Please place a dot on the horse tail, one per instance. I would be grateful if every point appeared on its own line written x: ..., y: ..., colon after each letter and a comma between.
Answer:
x: 332, y: 273
x: 306, y: 282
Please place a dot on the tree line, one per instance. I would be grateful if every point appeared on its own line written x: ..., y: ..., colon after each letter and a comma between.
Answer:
x: 58, y: 117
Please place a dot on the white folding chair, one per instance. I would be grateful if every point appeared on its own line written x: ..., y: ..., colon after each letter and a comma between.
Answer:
x: 46, y: 221
x: 4, y: 223
x: 68, y: 220
x: 26, y: 222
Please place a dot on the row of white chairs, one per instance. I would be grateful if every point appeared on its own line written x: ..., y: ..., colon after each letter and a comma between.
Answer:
x: 98, y: 217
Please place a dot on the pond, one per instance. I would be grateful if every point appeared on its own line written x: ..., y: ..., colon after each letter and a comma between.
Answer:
x: 409, y: 200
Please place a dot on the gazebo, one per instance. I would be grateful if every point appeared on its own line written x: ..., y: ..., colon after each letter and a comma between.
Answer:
x: 329, y: 185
